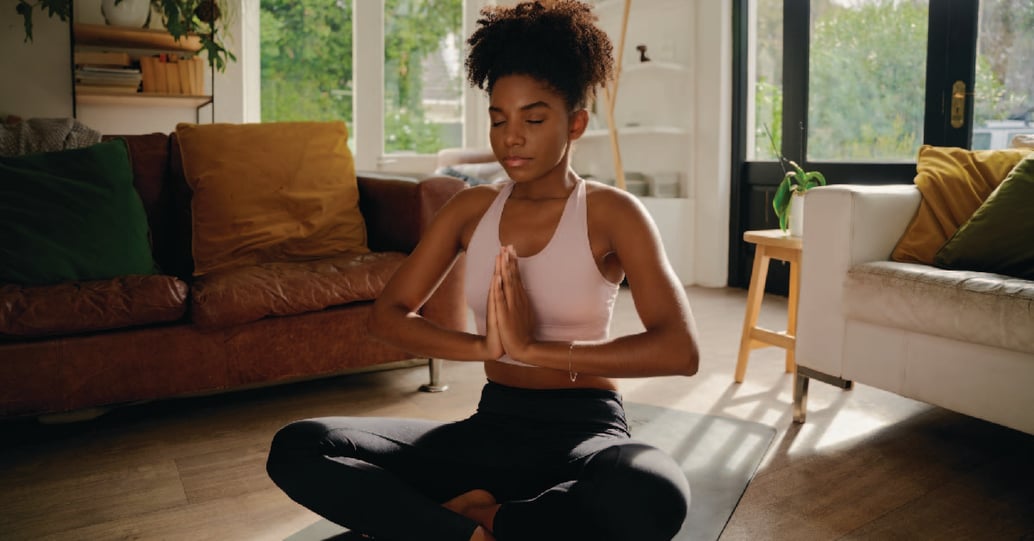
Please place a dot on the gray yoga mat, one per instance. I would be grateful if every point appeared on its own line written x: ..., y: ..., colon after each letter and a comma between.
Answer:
x: 718, y: 454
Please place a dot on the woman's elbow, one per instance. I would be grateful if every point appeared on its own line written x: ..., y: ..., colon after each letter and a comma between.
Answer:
x: 689, y: 361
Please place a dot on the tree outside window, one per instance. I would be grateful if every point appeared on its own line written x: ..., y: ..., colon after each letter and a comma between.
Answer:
x: 306, y: 48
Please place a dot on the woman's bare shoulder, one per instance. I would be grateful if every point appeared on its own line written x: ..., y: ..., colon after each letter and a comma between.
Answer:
x: 460, y: 216
x: 474, y: 200
x: 606, y: 200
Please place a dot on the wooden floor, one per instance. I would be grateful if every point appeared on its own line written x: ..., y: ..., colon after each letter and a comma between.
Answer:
x: 867, y: 465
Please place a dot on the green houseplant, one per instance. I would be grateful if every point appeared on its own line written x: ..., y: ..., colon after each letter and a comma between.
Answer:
x: 205, y: 18
x: 794, y: 184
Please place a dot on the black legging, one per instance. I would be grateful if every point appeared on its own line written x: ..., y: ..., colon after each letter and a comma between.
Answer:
x: 560, y: 461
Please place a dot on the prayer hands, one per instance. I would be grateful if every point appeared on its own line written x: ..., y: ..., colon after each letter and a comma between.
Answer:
x: 510, y: 317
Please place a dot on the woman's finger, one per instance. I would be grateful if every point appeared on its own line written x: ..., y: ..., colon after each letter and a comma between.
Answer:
x: 509, y: 293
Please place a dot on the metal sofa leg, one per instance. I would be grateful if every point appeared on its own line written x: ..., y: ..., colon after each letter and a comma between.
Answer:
x: 435, y: 385
x: 800, y: 397
x: 800, y: 389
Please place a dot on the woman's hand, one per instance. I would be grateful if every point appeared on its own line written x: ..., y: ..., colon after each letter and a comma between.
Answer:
x: 493, y: 343
x: 515, y: 319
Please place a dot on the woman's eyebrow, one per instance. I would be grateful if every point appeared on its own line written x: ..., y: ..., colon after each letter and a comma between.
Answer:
x: 533, y: 105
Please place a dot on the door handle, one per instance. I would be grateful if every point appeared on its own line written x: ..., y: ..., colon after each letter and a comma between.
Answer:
x: 958, y: 104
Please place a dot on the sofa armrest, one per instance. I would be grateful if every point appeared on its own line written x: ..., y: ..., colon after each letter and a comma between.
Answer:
x: 844, y: 225
x: 397, y: 210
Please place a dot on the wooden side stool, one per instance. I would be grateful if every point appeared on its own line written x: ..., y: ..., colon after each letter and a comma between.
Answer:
x: 771, y: 244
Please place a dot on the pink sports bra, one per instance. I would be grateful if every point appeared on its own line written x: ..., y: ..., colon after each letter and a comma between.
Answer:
x: 571, y: 299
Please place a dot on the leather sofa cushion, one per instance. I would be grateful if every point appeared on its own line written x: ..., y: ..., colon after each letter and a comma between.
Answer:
x: 244, y: 294
x: 78, y: 307
x: 980, y: 307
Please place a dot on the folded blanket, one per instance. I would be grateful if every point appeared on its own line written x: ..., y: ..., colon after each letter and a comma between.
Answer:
x: 45, y: 135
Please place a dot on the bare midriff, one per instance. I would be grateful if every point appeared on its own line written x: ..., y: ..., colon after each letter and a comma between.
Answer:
x: 532, y: 377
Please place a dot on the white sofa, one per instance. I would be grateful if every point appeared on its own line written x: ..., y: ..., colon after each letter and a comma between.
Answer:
x: 959, y: 340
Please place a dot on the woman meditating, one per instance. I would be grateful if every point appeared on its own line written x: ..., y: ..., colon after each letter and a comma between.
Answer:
x: 547, y: 455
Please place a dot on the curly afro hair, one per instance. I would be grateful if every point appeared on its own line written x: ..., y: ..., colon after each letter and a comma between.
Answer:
x: 558, y: 44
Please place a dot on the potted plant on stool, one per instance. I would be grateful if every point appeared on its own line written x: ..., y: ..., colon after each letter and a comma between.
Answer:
x: 788, y: 201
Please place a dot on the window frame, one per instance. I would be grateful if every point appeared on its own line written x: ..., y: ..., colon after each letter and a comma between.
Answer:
x: 368, y: 96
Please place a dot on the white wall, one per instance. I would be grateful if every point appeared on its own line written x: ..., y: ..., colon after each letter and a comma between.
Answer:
x: 36, y: 78
x: 712, y: 134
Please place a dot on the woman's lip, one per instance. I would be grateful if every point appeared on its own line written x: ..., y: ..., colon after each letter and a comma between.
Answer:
x: 515, y: 161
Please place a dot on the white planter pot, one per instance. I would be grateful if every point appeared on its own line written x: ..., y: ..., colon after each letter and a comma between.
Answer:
x: 796, y: 215
x: 131, y: 13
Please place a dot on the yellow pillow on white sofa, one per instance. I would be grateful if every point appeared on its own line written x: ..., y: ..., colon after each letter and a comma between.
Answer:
x: 954, y: 182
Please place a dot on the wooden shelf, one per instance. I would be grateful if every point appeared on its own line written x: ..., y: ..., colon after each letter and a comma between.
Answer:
x: 656, y: 66
x: 141, y: 99
x: 636, y: 130
x: 140, y: 38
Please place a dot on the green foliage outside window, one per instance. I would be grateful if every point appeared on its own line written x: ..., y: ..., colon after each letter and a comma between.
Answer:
x: 415, y: 29
x: 768, y: 111
x: 867, y: 76
x: 306, y: 48
x: 866, y: 95
x: 1004, y: 83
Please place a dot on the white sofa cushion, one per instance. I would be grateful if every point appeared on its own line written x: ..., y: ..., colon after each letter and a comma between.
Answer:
x: 979, y: 307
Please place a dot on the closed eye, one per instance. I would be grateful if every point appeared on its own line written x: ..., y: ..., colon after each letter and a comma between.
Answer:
x: 535, y: 122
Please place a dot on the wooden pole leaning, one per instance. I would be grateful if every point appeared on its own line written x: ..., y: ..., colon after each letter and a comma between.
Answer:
x: 610, y: 97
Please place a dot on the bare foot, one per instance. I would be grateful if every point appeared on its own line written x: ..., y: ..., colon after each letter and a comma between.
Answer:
x: 478, y: 505
x: 481, y: 534
x: 474, y: 498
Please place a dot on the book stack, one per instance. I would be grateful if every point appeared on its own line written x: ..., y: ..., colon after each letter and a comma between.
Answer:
x: 102, y: 72
x: 172, y: 74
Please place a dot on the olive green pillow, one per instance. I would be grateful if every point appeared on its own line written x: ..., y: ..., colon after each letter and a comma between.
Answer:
x: 998, y: 237
x: 954, y: 182
x: 71, y: 215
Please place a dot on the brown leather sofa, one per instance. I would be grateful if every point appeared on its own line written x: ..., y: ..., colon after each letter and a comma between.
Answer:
x: 81, y: 346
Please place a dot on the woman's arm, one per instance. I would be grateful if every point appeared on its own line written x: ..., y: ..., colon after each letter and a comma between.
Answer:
x: 394, y: 319
x: 667, y: 346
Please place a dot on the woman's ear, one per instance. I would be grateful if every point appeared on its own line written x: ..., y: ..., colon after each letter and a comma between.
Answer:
x: 579, y: 121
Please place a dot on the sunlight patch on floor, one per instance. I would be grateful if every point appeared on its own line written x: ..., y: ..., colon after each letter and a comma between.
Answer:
x: 847, y: 424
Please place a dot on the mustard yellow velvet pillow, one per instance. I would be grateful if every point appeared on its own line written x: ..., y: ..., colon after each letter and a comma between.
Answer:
x: 270, y: 192
x: 954, y: 182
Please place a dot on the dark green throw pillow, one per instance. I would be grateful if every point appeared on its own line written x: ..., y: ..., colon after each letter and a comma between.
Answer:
x: 71, y: 215
x: 999, y: 237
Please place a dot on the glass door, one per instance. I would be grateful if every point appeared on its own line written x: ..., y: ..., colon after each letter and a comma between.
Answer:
x: 852, y: 88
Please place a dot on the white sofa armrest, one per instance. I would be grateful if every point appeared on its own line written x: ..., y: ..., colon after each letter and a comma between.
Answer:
x: 844, y: 225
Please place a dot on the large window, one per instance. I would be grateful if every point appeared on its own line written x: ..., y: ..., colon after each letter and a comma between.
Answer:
x: 866, y: 74
x: 306, y: 48
x: 423, y: 75
x: 852, y: 88
x: 308, y: 71
x: 866, y: 80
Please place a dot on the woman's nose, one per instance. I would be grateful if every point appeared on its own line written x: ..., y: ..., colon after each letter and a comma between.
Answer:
x: 514, y: 134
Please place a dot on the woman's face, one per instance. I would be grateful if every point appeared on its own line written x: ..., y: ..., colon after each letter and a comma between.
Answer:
x: 531, y: 127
